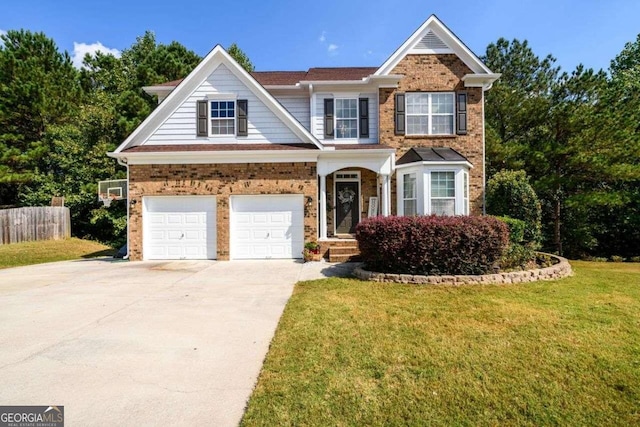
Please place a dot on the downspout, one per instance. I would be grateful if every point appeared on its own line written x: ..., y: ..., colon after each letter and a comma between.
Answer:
x: 125, y: 163
x: 484, y: 161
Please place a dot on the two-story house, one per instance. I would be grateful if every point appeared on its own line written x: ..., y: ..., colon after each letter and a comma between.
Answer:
x: 235, y: 165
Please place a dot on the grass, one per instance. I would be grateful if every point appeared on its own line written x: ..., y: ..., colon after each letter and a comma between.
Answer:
x: 27, y: 253
x: 348, y: 352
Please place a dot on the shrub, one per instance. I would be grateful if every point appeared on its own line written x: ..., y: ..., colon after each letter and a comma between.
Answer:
x: 432, y: 244
x: 634, y: 259
x: 517, y: 255
x: 617, y: 258
x: 510, y: 194
x: 516, y: 228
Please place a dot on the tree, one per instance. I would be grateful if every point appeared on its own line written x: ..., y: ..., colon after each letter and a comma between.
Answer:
x: 145, y: 63
x: 38, y: 88
x: 241, y: 57
x: 572, y: 133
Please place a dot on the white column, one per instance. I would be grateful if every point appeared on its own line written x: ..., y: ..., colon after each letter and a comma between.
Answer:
x: 386, y: 196
x: 323, y: 207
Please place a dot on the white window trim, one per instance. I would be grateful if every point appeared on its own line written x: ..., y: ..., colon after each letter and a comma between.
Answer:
x: 456, y: 203
x: 415, y: 183
x: 429, y: 114
x: 222, y: 98
x: 335, y: 117
x: 423, y: 186
x: 335, y: 194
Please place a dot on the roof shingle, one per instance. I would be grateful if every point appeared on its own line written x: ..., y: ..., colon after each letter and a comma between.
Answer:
x: 290, y: 78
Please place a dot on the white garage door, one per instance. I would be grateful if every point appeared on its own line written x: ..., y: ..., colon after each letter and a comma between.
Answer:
x: 264, y: 227
x: 180, y: 227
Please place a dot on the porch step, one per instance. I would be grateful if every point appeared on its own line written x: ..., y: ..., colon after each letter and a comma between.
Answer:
x: 344, y: 250
x: 343, y: 253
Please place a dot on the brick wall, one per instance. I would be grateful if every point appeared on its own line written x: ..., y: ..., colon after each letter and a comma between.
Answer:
x: 437, y: 73
x: 220, y: 180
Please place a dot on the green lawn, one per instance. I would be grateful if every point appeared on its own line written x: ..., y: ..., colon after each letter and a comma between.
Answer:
x: 348, y: 352
x: 28, y: 253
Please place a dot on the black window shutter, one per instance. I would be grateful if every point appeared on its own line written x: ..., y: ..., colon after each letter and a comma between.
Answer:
x: 400, y: 114
x: 203, y: 118
x: 328, y: 118
x: 243, y: 123
x: 461, y: 113
x: 364, y: 117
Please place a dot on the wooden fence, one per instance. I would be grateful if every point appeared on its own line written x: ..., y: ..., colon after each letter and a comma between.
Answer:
x: 34, y: 223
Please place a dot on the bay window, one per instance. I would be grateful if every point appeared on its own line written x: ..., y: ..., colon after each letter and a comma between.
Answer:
x: 433, y: 190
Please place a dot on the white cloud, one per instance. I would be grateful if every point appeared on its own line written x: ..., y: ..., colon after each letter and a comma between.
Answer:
x: 81, y: 49
x: 332, y: 49
x: 323, y: 37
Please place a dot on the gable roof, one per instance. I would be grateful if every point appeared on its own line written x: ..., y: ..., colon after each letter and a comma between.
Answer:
x: 209, y: 64
x: 432, y: 34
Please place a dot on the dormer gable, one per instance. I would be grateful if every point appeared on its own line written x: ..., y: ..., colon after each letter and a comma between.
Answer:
x: 433, y: 37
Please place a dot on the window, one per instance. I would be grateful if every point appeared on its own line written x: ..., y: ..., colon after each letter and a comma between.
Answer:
x: 223, y: 118
x: 346, y: 118
x: 443, y: 193
x: 430, y: 113
x: 409, y: 194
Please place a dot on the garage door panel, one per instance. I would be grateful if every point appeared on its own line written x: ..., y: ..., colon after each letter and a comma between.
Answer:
x: 179, y: 227
x: 267, y: 226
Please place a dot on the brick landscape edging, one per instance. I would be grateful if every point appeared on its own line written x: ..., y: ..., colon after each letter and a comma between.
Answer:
x: 556, y: 271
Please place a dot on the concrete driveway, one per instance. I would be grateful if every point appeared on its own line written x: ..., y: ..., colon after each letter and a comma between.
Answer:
x: 141, y: 343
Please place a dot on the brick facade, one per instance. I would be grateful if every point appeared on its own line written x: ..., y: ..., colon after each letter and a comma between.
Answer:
x: 222, y: 181
x: 437, y: 73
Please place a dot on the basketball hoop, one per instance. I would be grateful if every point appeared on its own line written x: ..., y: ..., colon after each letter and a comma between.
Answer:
x: 111, y: 190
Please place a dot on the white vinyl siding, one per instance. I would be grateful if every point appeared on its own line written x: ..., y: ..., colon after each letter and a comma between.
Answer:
x: 298, y: 106
x: 317, y: 119
x: 263, y: 125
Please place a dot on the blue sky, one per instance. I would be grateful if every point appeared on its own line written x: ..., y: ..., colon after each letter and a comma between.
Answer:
x: 293, y: 35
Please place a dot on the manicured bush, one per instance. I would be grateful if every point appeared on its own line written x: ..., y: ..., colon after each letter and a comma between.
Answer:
x: 432, y: 244
x: 516, y: 228
x: 510, y: 194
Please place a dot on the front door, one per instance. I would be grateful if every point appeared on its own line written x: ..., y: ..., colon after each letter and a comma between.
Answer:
x: 347, y: 206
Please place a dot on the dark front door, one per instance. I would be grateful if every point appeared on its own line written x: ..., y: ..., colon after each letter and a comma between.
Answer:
x: 347, y: 207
